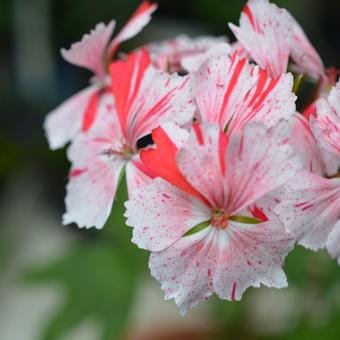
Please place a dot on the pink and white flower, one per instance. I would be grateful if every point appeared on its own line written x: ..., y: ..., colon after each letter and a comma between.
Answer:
x: 216, y: 183
x: 310, y: 209
x: 304, y: 55
x: 184, y: 53
x: 271, y: 35
x: 326, y: 123
x: 94, y: 52
x: 306, y: 146
x: 314, y: 158
x: 143, y: 98
x: 230, y: 91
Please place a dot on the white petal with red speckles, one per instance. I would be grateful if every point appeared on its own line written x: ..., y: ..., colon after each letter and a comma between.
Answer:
x: 269, y: 101
x: 186, y: 269
x: 169, y: 55
x: 306, y: 146
x: 266, y: 33
x: 179, y: 136
x: 258, y: 161
x: 160, y: 214
x: 89, y: 52
x: 326, y: 125
x: 135, y: 178
x: 193, y: 62
x: 94, y: 175
x: 310, y: 208
x: 200, y: 163
x: 255, y: 256
x: 92, y: 186
x: 226, y: 262
x: 332, y: 163
x: 161, y: 98
x: 333, y: 242
x: 231, y: 92
x: 220, y: 86
x: 63, y: 123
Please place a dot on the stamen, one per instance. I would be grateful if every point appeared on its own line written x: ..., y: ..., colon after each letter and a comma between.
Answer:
x: 220, y: 219
x: 124, y: 152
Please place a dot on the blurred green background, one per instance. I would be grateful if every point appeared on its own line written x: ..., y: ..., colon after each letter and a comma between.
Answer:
x: 59, y: 282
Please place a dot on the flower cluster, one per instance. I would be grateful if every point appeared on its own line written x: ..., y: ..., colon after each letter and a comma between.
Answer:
x: 224, y: 175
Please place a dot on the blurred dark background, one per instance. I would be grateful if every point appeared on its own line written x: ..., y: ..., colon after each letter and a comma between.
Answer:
x: 63, y: 283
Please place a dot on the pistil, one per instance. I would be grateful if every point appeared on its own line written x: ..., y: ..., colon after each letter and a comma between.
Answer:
x: 220, y: 219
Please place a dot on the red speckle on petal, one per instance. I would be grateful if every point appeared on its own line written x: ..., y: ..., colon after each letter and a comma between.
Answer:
x: 304, y: 205
x: 76, y: 172
x: 233, y: 292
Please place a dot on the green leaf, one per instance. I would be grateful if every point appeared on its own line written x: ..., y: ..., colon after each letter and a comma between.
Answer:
x: 244, y: 219
x: 298, y: 82
x: 197, y: 228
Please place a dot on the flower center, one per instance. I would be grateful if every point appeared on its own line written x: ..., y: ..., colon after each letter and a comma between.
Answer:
x: 220, y: 219
x: 125, y: 152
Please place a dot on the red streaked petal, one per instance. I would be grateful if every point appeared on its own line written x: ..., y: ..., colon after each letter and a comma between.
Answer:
x: 310, y: 208
x: 161, y: 161
x: 326, y: 124
x: 126, y: 77
x: 64, y: 122
x: 90, y: 112
x: 266, y: 32
x: 231, y: 92
x: 202, y: 163
x: 139, y: 19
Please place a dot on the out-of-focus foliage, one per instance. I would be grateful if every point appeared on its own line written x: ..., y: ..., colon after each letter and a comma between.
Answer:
x: 99, y: 277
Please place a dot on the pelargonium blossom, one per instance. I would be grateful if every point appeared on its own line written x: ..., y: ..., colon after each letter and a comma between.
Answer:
x: 143, y: 98
x: 204, y: 216
x: 231, y: 175
x: 94, y: 52
x: 176, y: 55
x: 310, y: 209
x: 271, y: 35
x: 314, y: 158
x: 326, y: 123
x: 230, y: 91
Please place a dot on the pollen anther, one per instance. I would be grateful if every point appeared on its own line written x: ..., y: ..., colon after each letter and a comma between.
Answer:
x: 220, y: 219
